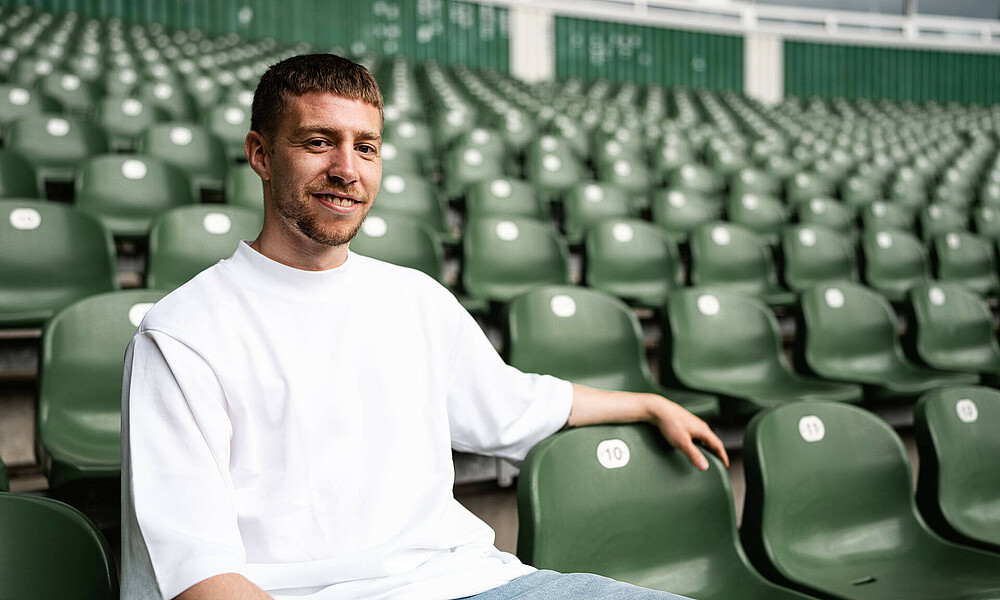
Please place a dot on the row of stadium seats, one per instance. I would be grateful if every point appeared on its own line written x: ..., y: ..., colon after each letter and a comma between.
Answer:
x: 723, y: 352
x: 618, y: 501
x: 830, y: 509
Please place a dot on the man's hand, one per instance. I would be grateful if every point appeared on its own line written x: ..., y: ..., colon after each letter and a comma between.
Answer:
x: 681, y: 428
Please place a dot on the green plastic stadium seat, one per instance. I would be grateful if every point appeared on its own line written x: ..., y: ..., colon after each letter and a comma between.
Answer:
x: 229, y: 123
x: 754, y: 181
x: 672, y: 154
x: 17, y: 177
x: 814, y: 254
x: 504, y: 256
x: 954, y: 330
x: 124, y: 119
x: 50, y: 551
x: 174, y: 100
x: 50, y: 256
x: 190, y: 148
x: 728, y: 257
x: 125, y: 192
x: 121, y: 81
x: 409, y: 135
x: 959, y: 488
x: 55, y: 145
x: 77, y: 96
x: 886, y: 215
x: 587, y: 337
x: 415, y: 197
x: 587, y: 204
x: 633, y: 260
x: 805, y: 186
x: 553, y: 173
x: 936, y: 219
x: 206, y: 92
x: 894, y: 261
x: 17, y: 102
x: 697, y: 178
x: 187, y: 240
x: 400, y: 161
x: 616, y: 500
x: 679, y: 212
x: 968, y: 259
x: 504, y: 197
x: 731, y: 345
x: 465, y: 167
x: 79, y: 386
x: 829, y: 213
x: 397, y: 239
x: 244, y: 188
x: 830, y: 509
x: 764, y: 215
x: 858, y: 191
x: 631, y: 176
x: 487, y: 141
x: 851, y: 335
x: 986, y: 220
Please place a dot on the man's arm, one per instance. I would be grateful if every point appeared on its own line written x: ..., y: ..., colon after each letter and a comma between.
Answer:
x: 228, y: 586
x: 680, y: 427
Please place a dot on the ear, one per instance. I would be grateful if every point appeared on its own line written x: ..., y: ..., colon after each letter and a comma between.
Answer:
x: 258, y: 154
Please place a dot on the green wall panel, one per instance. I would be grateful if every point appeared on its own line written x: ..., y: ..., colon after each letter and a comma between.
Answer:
x: 623, y: 52
x: 448, y: 31
x: 830, y: 70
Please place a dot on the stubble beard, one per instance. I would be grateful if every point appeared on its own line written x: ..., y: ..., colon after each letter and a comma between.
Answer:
x: 307, y: 222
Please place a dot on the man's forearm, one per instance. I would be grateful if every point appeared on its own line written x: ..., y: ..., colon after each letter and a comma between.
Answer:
x: 680, y: 428
x: 228, y: 586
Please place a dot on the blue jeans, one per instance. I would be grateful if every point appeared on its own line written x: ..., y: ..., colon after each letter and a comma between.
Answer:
x: 549, y: 585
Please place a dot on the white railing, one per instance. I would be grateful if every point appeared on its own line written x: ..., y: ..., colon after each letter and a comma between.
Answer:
x: 922, y: 31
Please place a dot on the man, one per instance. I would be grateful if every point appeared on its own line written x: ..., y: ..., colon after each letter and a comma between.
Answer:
x: 289, y: 414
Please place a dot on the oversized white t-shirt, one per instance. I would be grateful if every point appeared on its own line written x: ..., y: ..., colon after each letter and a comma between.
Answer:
x: 296, y: 427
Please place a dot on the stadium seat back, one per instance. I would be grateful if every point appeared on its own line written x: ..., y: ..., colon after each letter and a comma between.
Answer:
x: 828, y: 213
x: 936, y: 219
x: 18, y: 178
x: 633, y: 260
x: 894, y: 261
x: 504, y: 197
x: 587, y: 204
x: 125, y: 192
x: 762, y: 214
x: 244, y: 188
x: 959, y: 488
x: 56, y: 145
x: 50, y: 256
x: 173, y: 99
x: 79, y: 386
x: 954, y: 328
x: 679, y: 212
x: 187, y: 240
x: 190, y: 148
x: 814, y: 254
x: 968, y: 259
x: 733, y: 257
x: 124, y: 119
x: 17, y: 102
x: 504, y: 256
x: 580, y: 335
x: 402, y: 241
x: 230, y: 123
x: 887, y: 215
x: 50, y: 551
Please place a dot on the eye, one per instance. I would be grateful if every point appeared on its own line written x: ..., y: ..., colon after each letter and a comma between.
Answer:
x: 317, y: 143
x: 367, y: 149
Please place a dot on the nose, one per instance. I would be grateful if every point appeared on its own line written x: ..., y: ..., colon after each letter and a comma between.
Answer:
x: 343, y: 165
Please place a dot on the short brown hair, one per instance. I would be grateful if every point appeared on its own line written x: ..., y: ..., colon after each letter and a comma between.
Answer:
x: 309, y: 73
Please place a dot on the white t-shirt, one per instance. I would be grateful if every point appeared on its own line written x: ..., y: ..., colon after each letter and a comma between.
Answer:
x: 296, y: 427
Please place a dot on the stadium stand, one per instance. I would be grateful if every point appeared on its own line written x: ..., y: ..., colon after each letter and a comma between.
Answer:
x: 958, y: 486
x: 636, y: 141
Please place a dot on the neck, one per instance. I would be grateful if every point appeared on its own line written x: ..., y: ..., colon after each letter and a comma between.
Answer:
x: 293, y: 249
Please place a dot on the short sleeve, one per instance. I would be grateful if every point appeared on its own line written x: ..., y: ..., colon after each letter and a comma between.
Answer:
x: 176, y: 444
x: 495, y: 409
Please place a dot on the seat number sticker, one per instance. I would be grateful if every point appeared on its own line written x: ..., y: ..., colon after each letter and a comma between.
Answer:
x: 811, y: 428
x: 967, y: 410
x: 613, y: 454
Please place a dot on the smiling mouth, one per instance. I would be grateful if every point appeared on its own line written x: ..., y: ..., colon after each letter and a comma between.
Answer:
x: 337, y: 200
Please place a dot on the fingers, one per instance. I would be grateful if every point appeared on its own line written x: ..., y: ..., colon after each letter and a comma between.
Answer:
x: 694, y: 455
x: 715, y: 445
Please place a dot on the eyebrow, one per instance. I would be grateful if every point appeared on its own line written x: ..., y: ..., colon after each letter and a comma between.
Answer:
x: 333, y: 132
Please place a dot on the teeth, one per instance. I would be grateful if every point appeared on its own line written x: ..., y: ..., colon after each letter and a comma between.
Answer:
x: 345, y: 202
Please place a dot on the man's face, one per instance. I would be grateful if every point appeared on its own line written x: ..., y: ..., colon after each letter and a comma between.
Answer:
x: 326, y: 166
